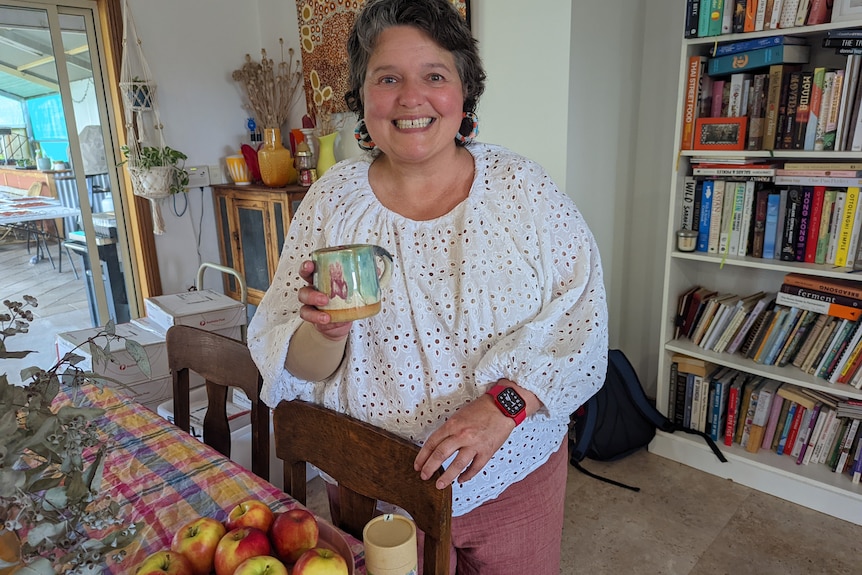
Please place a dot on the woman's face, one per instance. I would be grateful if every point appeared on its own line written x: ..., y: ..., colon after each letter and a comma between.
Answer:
x: 413, y: 96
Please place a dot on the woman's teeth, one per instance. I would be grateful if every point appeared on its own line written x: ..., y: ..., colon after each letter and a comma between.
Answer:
x: 408, y: 124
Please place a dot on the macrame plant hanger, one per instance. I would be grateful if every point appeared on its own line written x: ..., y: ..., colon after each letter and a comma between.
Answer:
x: 143, y: 124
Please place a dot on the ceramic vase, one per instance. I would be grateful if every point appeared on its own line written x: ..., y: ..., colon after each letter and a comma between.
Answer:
x: 275, y: 161
x: 325, y: 153
x: 238, y: 170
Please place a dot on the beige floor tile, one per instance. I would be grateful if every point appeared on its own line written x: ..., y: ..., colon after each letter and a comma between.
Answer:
x: 613, y: 530
x: 769, y: 536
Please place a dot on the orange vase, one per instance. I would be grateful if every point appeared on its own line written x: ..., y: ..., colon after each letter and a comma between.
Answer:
x: 275, y: 161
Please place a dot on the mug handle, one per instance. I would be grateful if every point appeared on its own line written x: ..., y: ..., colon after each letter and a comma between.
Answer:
x: 380, y: 253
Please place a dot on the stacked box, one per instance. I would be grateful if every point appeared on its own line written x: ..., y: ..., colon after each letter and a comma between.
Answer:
x: 122, y: 370
x: 203, y: 309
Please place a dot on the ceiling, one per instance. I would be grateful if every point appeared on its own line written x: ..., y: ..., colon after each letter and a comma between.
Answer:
x: 27, y: 65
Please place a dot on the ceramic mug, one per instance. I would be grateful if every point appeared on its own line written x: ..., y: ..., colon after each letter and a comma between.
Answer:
x: 352, y: 276
x: 390, y: 545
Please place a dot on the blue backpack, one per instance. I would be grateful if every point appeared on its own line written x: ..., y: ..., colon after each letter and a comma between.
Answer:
x: 619, y: 420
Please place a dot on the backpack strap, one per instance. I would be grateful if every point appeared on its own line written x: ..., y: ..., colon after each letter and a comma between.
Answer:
x: 650, y: 412
x: 600, y: 478
x: 579, y: 449
x: 705, y: 436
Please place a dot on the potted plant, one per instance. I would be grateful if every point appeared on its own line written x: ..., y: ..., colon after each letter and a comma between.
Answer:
x: 49, y: 492
x: 157, y: 172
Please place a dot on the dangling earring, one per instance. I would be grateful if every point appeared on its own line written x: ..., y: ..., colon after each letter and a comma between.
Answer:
x: 363, y: 138
x: 470, y: 125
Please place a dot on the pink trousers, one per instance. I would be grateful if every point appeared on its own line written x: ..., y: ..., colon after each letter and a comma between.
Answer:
x: 518, y: 532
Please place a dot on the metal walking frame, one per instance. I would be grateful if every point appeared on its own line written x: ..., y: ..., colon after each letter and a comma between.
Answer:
x: 199, y: 282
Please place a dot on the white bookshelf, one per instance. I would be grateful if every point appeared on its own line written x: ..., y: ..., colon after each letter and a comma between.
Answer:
x: 813, y: 486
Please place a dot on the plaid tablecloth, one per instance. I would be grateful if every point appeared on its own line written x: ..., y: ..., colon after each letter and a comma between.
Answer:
x: 164, y: 478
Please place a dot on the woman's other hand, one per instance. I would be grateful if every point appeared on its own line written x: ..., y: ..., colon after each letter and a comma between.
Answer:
x: 311, y: 298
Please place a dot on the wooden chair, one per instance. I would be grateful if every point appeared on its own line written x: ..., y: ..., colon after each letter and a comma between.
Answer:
x: 223, y: 362
x: 369, y: 464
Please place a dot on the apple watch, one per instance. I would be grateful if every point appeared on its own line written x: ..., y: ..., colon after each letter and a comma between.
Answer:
x: 509, y: 402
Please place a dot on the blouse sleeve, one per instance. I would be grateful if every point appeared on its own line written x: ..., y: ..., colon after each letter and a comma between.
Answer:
x: 561, y: 355
x: 277, y: 317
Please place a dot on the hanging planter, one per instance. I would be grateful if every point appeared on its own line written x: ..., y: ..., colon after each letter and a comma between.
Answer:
x: 156, y: 173
x: 138, y: 95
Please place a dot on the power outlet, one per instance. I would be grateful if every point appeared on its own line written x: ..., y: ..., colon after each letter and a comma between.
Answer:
x: 199, y: 176
x: 216, y: 175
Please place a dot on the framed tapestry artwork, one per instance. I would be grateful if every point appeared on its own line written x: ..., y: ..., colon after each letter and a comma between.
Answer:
x: 323, y: 29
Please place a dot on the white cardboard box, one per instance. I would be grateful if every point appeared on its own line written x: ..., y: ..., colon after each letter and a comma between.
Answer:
x: 204, y: 309
x: 122, y: 368
x: 147, y: 323
x: 237, y: 416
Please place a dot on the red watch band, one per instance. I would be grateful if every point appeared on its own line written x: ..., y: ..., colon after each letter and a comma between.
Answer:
x: 509, y: 402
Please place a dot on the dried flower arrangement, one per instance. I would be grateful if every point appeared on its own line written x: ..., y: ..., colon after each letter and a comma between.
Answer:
x: 271, y: 90
x: 51, y: 500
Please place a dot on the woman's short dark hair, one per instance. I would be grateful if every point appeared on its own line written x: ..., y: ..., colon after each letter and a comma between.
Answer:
x: 437, y: 18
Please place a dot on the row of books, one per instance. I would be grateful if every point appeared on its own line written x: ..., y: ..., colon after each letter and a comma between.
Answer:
x: 784, y: 106
x: 801, y: 325
x: 758, y: 413
x: 716, y: 17
x: 774, y: 218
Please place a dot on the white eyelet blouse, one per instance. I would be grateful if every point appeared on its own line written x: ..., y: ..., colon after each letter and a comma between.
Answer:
x: 508, y: 284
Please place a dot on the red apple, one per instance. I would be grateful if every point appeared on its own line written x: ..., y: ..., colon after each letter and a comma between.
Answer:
x: 261, y: 565
x: 197, y: 542
x: 293, y: 532
x: 165, y: 562
x: 251, y: 513
x: 238, y: 545
x: 320, y: 561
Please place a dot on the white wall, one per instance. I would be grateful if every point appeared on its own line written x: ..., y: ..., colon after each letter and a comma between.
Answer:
x: 586, y: 88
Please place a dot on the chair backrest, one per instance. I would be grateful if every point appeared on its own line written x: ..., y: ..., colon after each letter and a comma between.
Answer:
x: 223, y: 362
x: 369, y: 464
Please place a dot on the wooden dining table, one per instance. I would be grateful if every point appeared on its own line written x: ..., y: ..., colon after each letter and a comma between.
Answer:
x: 163, y: 478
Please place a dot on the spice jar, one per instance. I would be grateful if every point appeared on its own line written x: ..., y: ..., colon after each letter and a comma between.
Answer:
x: 305, y: 164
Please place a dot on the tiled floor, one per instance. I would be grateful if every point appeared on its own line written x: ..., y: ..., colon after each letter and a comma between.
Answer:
x: 681, y: 522
x: 684, y: 522
x: 62, y: 303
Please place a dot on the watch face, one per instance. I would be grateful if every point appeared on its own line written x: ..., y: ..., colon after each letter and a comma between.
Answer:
x: 511, y: 401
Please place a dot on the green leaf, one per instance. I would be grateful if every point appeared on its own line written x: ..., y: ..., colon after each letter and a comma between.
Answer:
x: 40, y: 566
x: 93, y: 476
x: 56, y: 498
x: 68, y: 413
x: 8, y: 423
x: 44, y: 531
x: 11, y: 480
x: 138, y: 353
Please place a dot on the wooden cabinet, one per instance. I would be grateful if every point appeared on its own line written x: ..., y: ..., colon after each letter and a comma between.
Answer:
x: 252, y: 222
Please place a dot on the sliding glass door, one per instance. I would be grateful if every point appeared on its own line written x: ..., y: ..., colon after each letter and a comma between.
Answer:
x: 56, y: 128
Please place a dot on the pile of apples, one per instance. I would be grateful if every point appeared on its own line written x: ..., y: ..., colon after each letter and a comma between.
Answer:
x: 252, y: 541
